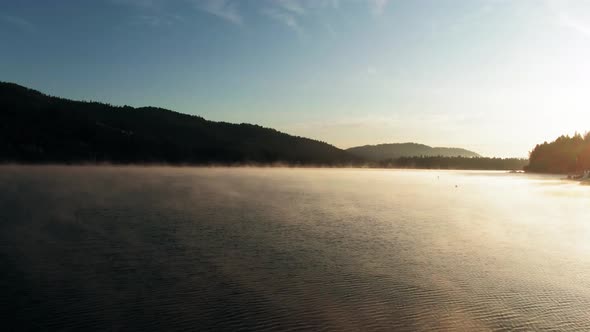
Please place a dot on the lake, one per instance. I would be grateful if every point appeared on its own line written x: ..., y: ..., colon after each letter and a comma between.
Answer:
x: 163, y: 248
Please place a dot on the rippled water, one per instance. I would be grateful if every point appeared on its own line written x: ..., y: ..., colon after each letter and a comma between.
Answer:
x: 292, y: 249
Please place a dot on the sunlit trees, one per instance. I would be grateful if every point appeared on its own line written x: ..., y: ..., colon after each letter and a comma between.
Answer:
x: 564, y: 155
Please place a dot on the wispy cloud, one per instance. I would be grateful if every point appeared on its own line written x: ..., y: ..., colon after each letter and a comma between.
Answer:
x: 283, y: 17
x: 291, y: 12
x: 18, y: 22
x: 225, y: 9
x: 287, y: 12
x: 378, y: 6
x: 157, y: 20
x: 157, y: 12
x: 293, y: 6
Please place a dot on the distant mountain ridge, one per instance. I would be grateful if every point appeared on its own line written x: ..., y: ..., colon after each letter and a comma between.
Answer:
x: 38, y: 128
x: 382, y: 152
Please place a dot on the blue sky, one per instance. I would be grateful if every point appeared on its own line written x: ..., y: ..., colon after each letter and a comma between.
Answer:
x: 494, y: 76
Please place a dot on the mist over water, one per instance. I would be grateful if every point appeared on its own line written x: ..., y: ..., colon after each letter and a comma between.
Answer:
x: 130, y: 248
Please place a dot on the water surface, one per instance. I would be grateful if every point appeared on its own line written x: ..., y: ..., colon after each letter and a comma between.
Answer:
x: 129, y: 248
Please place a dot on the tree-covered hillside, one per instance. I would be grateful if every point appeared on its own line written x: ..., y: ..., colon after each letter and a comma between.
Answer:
x: 564, y: 155
x: 38, y: 128
x: 396, y: 150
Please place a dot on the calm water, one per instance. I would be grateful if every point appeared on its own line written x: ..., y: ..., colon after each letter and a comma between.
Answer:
x: 291, y: 249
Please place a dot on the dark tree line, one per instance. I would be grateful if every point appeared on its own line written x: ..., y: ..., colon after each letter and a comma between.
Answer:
x: 37, y: 128
x: 564, y: 155
x: 440, y: 162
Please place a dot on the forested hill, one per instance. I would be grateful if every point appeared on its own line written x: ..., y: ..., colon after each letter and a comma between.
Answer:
x: 38, y: 128
x: 396, y: 150
x: 564, y: 155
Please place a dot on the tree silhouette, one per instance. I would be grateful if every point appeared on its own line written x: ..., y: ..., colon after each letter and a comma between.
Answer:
x: 38, y: 128
x: 564, y: 155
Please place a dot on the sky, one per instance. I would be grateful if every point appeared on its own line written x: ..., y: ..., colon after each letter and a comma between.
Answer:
x: 493, y: 76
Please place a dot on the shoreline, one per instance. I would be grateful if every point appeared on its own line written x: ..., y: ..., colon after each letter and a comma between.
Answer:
x: 254, y: 165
